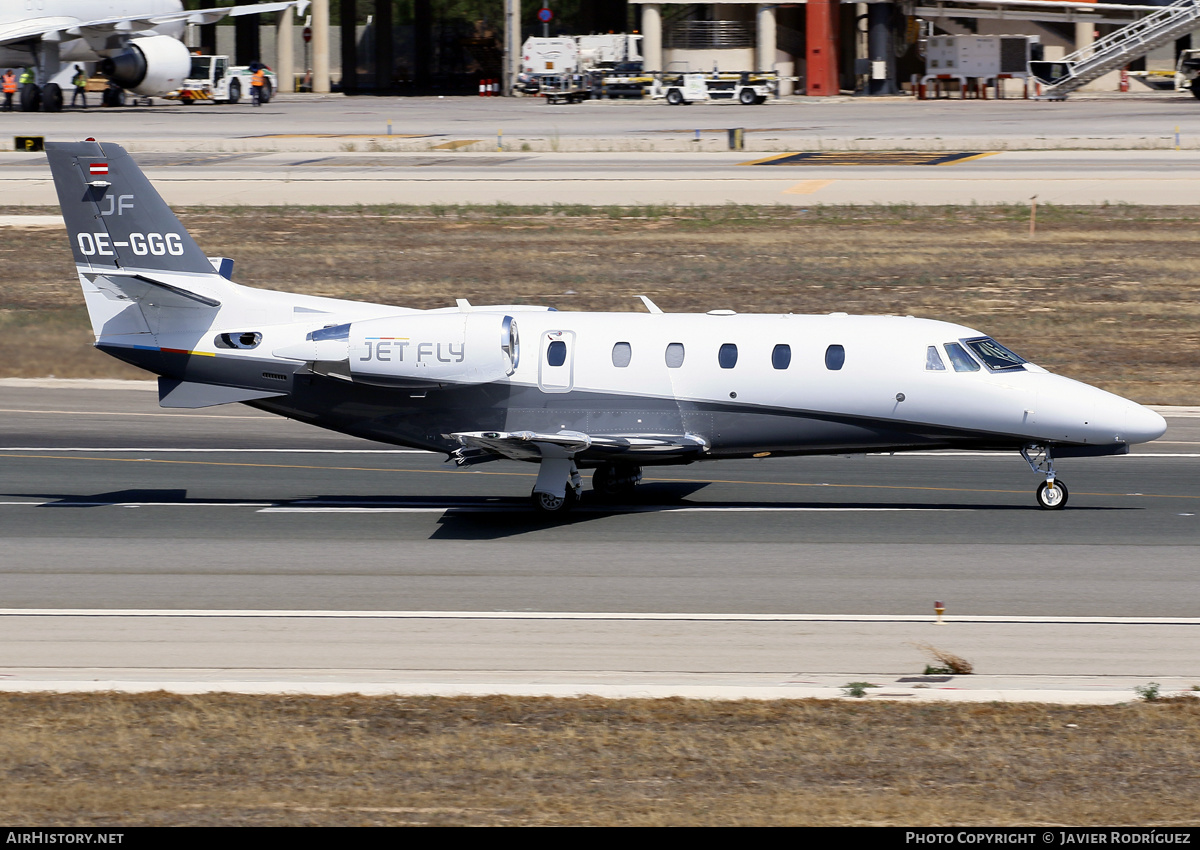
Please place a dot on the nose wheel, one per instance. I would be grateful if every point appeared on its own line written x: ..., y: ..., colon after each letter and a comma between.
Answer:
x: 1051, y: 493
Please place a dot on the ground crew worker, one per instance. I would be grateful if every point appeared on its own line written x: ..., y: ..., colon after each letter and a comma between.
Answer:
x: 80, y: 81
x: 256, y: 85
x: 10, y: 88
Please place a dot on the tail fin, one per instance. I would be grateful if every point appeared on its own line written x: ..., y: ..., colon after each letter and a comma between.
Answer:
x: 115, y: 219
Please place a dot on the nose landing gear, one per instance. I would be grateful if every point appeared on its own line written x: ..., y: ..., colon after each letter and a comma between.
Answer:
x: 1051, y: 493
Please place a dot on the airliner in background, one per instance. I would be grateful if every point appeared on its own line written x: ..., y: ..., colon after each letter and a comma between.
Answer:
x: 611, y: 392
x: 136, y: 42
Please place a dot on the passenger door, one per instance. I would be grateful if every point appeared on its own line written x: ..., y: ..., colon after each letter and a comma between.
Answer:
x: 556, y: 363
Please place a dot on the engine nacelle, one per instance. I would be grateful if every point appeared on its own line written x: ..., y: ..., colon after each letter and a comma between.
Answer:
x: 149, y: 66
x: 417, y: 351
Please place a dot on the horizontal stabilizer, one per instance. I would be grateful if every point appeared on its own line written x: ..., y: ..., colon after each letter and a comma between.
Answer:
x: 146, y: 290
x: 189, y: 394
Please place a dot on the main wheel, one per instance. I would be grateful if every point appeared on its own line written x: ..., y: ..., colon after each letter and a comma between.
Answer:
x: 612, y: 480
x: 748, y: 97
x: 31, y: 98
x: 235, y: 92
x: 52, y: 98
x: 674, y: 97
x: 1052, y: 496
x: 547, y: 503
x: 1196, y: 87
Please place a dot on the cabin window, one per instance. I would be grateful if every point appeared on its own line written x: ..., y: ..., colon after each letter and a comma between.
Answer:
x: 781, y: 356
x: 959, y: 357
x: 933, y: 360
x: 994, y: 355
x: 675, y: 355
x: 727, y: 356
x: 622, y: 353
x: 835, y: 357
x: 556, y: 353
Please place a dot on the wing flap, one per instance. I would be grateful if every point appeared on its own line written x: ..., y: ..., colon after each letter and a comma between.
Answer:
x: 479, y: 446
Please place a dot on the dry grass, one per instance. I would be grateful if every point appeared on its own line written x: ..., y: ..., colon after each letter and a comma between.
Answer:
x: 1106, y: 295
x: 160, y: 759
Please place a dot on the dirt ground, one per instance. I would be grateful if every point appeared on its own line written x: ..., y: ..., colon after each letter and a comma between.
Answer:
x: 1103, y: 294
x: 159, y: 759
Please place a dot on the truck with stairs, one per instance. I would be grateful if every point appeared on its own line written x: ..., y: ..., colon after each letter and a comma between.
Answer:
x: 1060, y: 77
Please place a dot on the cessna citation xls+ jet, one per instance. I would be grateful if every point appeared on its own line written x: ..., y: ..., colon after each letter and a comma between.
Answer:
x: 613, y: 392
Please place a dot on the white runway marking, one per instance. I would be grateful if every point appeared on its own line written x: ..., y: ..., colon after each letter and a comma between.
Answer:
x: 625, y: 509
x: 581, y: 615
x: 170, y: 450
x: 43, y: 449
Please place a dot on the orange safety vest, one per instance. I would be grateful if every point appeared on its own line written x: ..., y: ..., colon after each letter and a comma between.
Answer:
x: 10, y: 83
x: 258, y: 78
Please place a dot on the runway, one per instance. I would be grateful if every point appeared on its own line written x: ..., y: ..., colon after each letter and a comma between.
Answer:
x: 225, y: 549
x: 225, y: 546
x: 336, y: 151
x: 631, y: 179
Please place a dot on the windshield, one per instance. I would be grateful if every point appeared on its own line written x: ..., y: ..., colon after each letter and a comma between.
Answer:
x: 199, y: 68
x: 994, y: 355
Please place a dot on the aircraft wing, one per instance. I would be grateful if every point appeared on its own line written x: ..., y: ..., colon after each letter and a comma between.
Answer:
x: 96, y: 31
x: 481, y: 446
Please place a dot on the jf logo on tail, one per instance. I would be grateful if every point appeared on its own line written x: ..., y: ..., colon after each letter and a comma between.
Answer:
x: 570, y: 392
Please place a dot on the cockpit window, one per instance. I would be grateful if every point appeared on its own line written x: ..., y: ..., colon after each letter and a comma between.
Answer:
x: 933, y: 360
x: 994, y: 355
x: 959, y: 357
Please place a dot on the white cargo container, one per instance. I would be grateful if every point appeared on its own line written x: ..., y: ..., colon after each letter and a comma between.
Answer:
x: 978, y: 55
x: 608, y: 51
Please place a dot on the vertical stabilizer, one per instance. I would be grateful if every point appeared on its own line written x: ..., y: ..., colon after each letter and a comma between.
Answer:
x: 115, y: 219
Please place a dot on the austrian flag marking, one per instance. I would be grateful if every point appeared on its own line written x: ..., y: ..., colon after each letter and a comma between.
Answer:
x: 98, y: 168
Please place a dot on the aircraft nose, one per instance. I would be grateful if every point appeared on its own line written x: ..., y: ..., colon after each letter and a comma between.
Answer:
x: 1143, y: 425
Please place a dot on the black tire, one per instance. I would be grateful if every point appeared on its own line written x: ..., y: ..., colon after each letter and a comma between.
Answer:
x: 544, y: 503
x: 760, y: 100
x: 614, y: 481
x: 235, y: 92
x: 113, y: 97
x: 264, y: 96
x: 747, y: 97
x: 1196, y: 87
x: 52, y: 99
x: 31, y: 98
x: 1052, y: 499
x: 674, y: 97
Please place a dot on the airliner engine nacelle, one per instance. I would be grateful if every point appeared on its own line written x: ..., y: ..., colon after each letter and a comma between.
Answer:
x: 149, y: 66
x: 417, y: 351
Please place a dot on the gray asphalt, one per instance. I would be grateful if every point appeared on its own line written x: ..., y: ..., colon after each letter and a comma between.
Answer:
x: 840, y: 122
x: 196, y: 511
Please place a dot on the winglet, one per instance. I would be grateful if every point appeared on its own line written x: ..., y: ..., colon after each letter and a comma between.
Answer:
x: 650, y: 305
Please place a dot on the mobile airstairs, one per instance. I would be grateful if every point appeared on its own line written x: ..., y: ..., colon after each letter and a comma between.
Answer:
x: 1061, y: 77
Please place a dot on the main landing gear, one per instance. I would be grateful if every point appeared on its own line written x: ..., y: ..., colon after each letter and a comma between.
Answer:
x: 559, y: 485
x: 1051, y: 493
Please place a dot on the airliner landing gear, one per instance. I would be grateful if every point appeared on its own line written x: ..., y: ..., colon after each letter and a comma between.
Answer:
x: 558, y: 485
x: 615, y: 480
x: 1051, y: 493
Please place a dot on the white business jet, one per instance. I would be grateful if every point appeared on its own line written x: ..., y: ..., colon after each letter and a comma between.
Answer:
x: 136, y: 42
x: 609, y: 391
